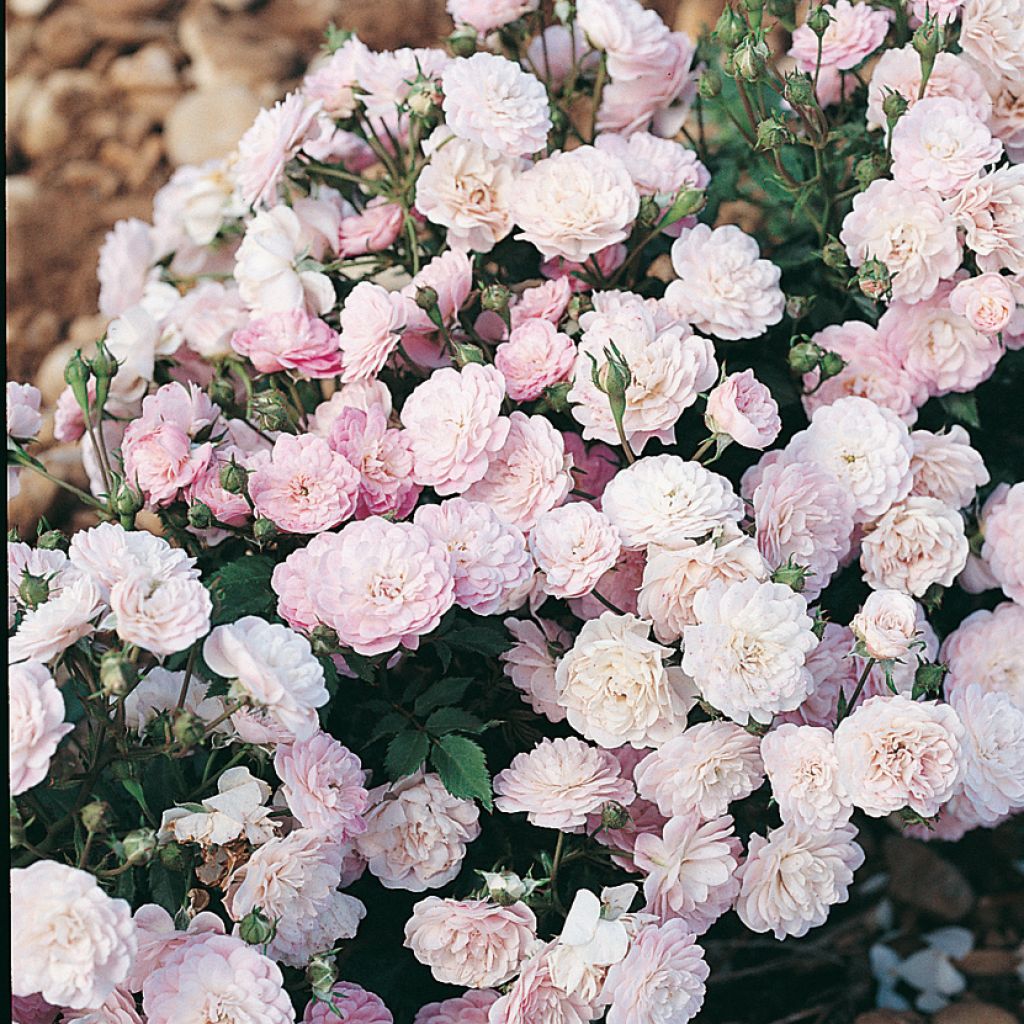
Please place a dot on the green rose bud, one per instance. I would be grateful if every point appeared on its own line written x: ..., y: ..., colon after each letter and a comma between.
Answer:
x: 579, y: 304
x: 730, y: 28
x: 234, y: 478
x: 792, y: 575
x: 117, y: 674
x: 269, y: 411
x: 687, y: 202
x: 324, y: 641
x: 831, y: 364
x: 773, y: 133
x: 709, y: 85
x: 927, y: 39
x: 426, y: 298
x: 833, y: 253
x: 928, y: 679
x: 321, y: 974
x: 804, y: 356
x: 798, y: 306
x: 93, y: 815
x: 649, y: 214
x: 870, y: 168
x: 187, y: 729
x: 172, y: 857
x: 221, y: 391
x: 264, y: 531
x: 894, y: 106
x: 76, y: 376
x: 614, y: 815
x: 462, y: 42
x: 33, y: 590
x: 52, y: 540
x: 256, y: 928
x: 873, y: 279
x: 556, y: 396
x: 127, y: 502
x: 200, y: 516
x: 466, y: 352
x: 140, y: 846
x: 749, y: 59
x: 799, y: 89
x: 818, y: 20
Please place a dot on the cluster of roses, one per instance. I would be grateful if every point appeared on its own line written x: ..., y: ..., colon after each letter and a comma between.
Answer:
x: 410, y: 343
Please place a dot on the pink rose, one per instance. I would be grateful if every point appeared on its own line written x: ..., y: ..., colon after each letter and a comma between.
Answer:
x: 535, y: 357
x: 743, y: 408
x: 886, y: 624
x: 573, y: 546
x: 293, y: 340
x: 487, y: 15
x: 854, y: 32
x: 373, y: 230
x: 986, y: 301
x: 547, y: 301
x: 356, y: 1004
x: 372, y: 321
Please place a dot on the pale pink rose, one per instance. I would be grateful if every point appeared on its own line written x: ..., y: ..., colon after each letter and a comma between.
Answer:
x: 865, y: 447
x: 801, y: 764
x: 296, y: 580
x: 894, y: 752
x: 68, y: 418
x: 36, y: 724
x: 454, y: 424
x: 854, y: 32
x: 672, y: 577
x: 592, y: 466
x: 363, y: 395
x: 547, y: 301
x: 157, y: 939
x: 472, y: 943
x: 1003, y: 549
x: 1007, y: 120
x: 294, y: 881
x: 354, y: 1003
x: 273, y: 668
x: 917, y: 543
x: 275, y: 137
x: 724, y: 287
x: 900, y: 71
x: 941, y: 145
x: 573, y: 547
x: 746, y: 654
x: 383, y: 458
x: 575, y: 204
x: 535, y: 357
x: 690, y: 870
x: 988, y: 210
x: 416, y: 833
x: 23, y: 417
x: 207, y: 317
x: 491, y: 565
x: 236, y: 811
x: 560, y: 782
x: 986, y: 301
x: 529, y: 475
x: 791, y: 880
x: 663, y: 975
x: 886, y: 624
x: 985, y: 649
x: 945, y: 10
x: 303, y: 486
x: 290, y: 341
x: 382, y: 585
x: 323, y: 784
x: 117, y: 1008
x: 701, y: 771
x: 469, y: 1008
x: 992, y: 36
x: 333, y: 81
x: 451, y: 276
x: 534, y: 998
x: 218, y: 976
x: 158, y: 691
x: 372, y: 321
x: 373, y: 230
x: 75, y: 944
x: 743, y: 408
x: 160, y: 615
x: 226, y: 507
x: 605, y: 261
x: 832, y: 669
x: 386, y: 79
x: 530, y: 663
x: 946, y: 467
x: 125, y: 260
x: 561, y: 50
x: 52, y: 566
x: 46, y: 631
x: 487, y: 15
x: 619, y: 586
x: 665, y: 500
x: 616, y: 688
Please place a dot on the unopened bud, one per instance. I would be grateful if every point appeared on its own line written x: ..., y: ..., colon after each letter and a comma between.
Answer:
x: 33, y: 590
x: 424, y: 98
x: 803, y: 357
x: 256, y: 928
x: 614, y: 815
x: 649, y: 214
x: 466, y: 352
x: 831, y: 364
x: 928, y: 679
x: 52, y: 540
x: 321, y: 974
x: 264, y: 531
x: 495, y: 297
x: 749, y: 59
x: 221, y: 391
x: 687, y: 202
x: 126, y: 501
x: 556, y: 396
x: 894, y: 106
x: 324, y: 641
x: 833, y: 253
x: 139, y: 846
x: 709, y: 85
x: 579, y: 304
x: 76, y: 376
x: 818, y: 20
x: 117, y: 674
x: 504, y: 887
x: 927, y: 39
x: 187, y: 729
x: 792, y: 575
x: 172, y: 857
x: 730, y: 28
x: 103, y: 364
x: 200, y: 516
x: 269, y: 411
x: 870, y: 168
x: 234, y: 478
x: 873, y: 279
x: 93, y: 815
x: 773, y: 133
x: 462, y: 42
x: 426, y: 298
x: 797, y: 306
x: 799, y: 89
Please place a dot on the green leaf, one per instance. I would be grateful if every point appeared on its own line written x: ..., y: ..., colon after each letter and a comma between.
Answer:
x: 444, y: 691
x: 962, y: 408
x: 167, y: 888
x: 242, y: 587
x: 393, y: 722
x: 445, y: 720
x: 361, y: 665
x: 489, y: 642
x: 406, y: 752
x: 463, y: 768
x: 135, y: 789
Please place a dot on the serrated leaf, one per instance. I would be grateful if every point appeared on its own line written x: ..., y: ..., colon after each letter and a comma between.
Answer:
x: 480, y: 640
x: 392, y: 722
x: 962, y: 408
x: 444, y: 653
x: 463, y: 768
x: 444, y: 691
x: 242, y: 587
x: 406, y: 752
x: 445, y: 720
x: 361, y: 665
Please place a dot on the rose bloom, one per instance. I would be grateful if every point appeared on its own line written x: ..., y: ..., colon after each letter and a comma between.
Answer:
x: 323, y: 784
x: 724, y: 287
x: 219, y: 976
x: 559, y: 783
x: 467, y: 188
x: 801, y: 764
x: 536, y: 356
x: 125, y: 259
x: 854, y: 32
x: 690, y: 870
x: 867, y: 449
x: 790, y: 880
x: 303, y: 486
x: 985, y: 649
x: 451, y: 276
x: 157, y: 691
x: 1003, y: 549
x: 916, y: 544
x: 529, y: 475
x: 160, y: 615
x: 1007, y: 120
x: 665, y: 500
x: 75, y: 944
x: 472, y: 943
x: 372, y: 320
x: 491, y: 566
x: 23, y: 417
x: 296, y: 580
x: 530, y: 663
x: 831, y: 669
x: 988, y: 211
x: 416, y: 833
x: 573, y: 547
x: 941, y: 145
x: 992, y: 35
x: 575, y: 204
x: 535, y: 998
x: 661, y: 978
x: 946, y: 467
x: 373, y: 230
x: 894, y: 752
x: 742, y: 408
x: 55, y: 625
x: 236, y: 811
x: 357, y: 1006
x: 616, y: 688
x: 383, y: 585
x: 487, y: 15
x: 910, y: 231
x: 36, y: 724
x: 986, y: 301
x: 886, y: 624
x: 658, y: 167
x: 290, y: 341
x: 271, y: 666
x: 701, y: 771
x: 746, y: 653
x: 158, y: 938
x: 469, y: 1008
x: 208, y: 316
x: 117, y: 1008
x: 993, y: 771
x: 52, y: 566
x: 333, y: 80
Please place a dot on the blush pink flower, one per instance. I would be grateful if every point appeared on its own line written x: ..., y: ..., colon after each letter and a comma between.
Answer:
x: 125, y: 260
x: 535, y: 357
x: 987, y: 302
x: 854, y: 32
x: 560, y: 782
x: 383, y: 585
x: 984, y: 649
x: 534, y: 998
x: 373, y: 230
x: 1003, y: 547
x: 451, y: 276
x: 333, y: 81
x: 573, y: 547
x: 991, y: 35
x: 472, y: 943
x: 658, y: 167
x: 160, y: 615
x: 303, y: 486
x: 886, y: 624
x: 487, y: 15
x: 23, y: 417
x: 36, y: 724
x: 158, y: 939
x: 117, y: 1008
x: 491, y: 566
x: 290, y: 341
x: 52, y: 627
x: 743, y: 408
x: 988, y: 211
x: 469, y: 1008
x: 530, y: 663
x: 372, y: 321
x: 295, y: 581
x: 832, y: 669
x: 946, y: 467
x: 355, y: 1004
